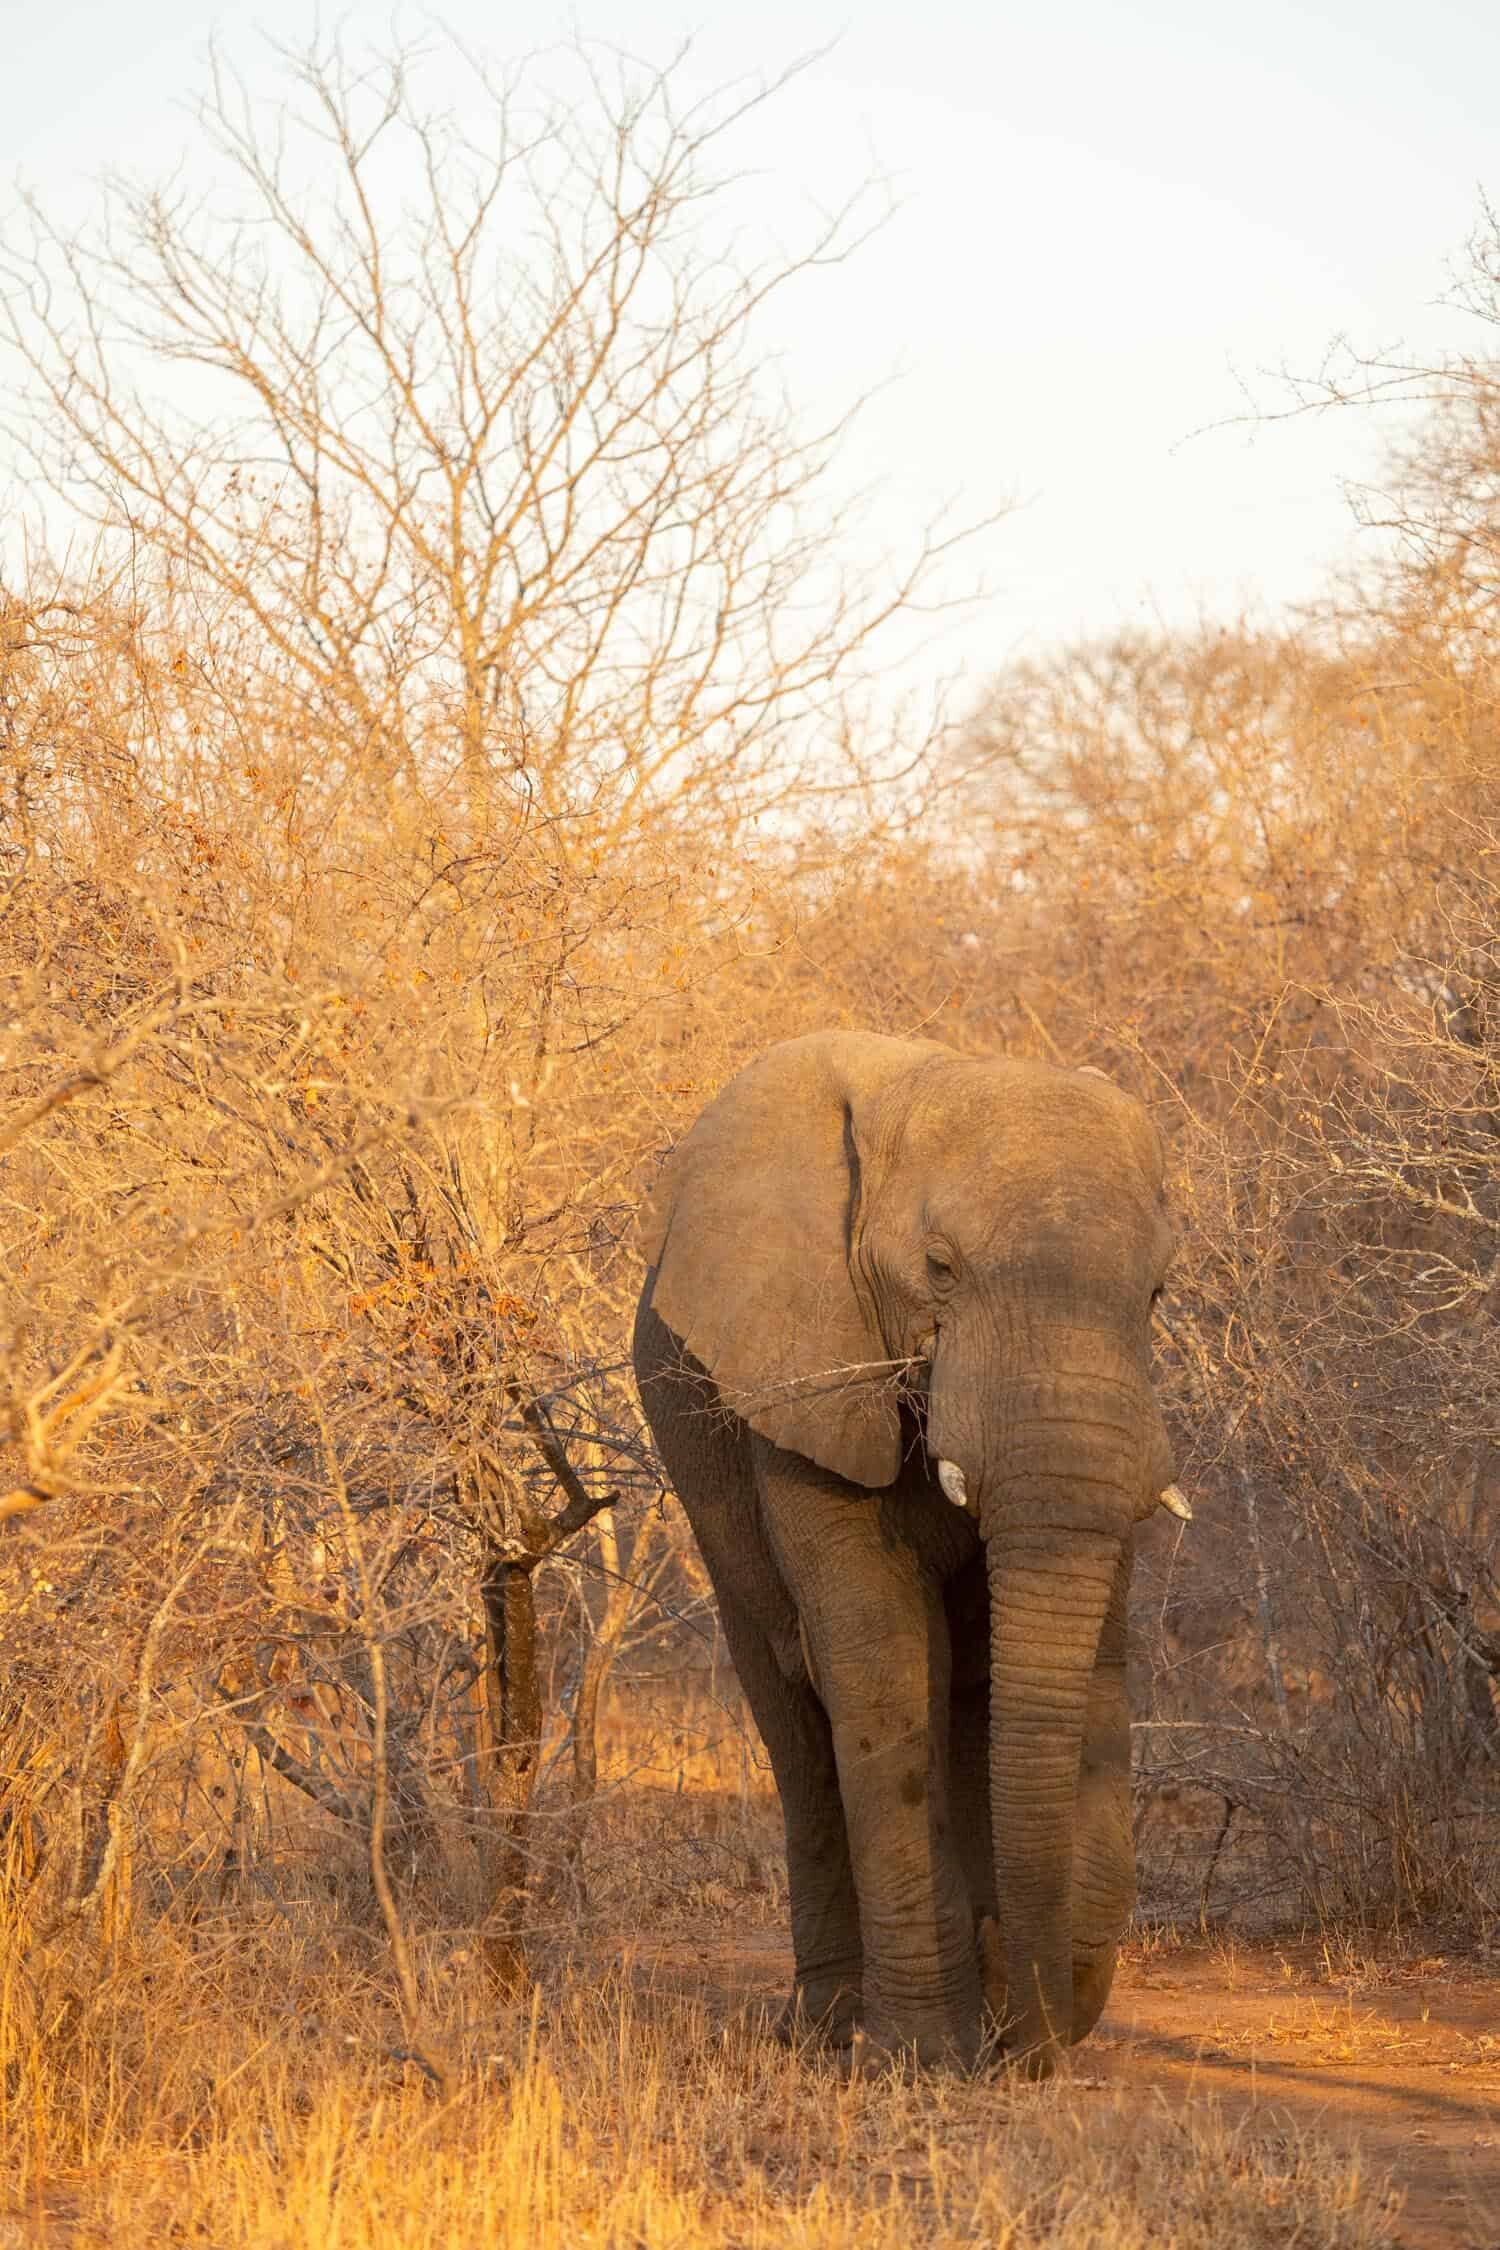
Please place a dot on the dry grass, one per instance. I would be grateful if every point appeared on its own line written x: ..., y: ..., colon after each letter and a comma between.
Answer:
x: 613, y: 2120
x: 233, y: 2073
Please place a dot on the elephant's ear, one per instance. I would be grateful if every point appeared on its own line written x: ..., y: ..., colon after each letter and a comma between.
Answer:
x: 750, y: 1228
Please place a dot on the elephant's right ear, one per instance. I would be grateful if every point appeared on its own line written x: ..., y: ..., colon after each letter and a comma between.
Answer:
x: 750, y: 1229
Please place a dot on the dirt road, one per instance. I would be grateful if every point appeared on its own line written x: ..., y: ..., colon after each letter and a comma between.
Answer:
x: 1404, y: 2061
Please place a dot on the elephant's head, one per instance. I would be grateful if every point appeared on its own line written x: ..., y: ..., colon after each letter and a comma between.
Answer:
x: 852, y: 1209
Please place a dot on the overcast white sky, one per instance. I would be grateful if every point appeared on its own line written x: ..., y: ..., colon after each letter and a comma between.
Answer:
x: 1110, y: 207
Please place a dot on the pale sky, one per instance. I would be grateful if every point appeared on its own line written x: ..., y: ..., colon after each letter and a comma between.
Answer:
x: 1109, y: 209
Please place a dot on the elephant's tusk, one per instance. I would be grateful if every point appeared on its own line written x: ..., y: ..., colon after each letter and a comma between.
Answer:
x: 1174, y: 1500
x: 951, y: 1478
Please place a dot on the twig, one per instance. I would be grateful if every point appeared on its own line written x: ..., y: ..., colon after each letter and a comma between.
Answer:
x: 439, y: 2070
x: 274, y: 1754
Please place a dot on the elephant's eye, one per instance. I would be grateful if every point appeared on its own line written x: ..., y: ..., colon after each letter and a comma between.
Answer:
x: 941, y: 1271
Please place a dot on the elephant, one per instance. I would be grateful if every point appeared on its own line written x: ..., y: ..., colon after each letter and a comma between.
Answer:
x: 893, y: 1347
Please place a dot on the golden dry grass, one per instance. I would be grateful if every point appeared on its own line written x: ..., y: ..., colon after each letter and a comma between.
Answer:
x: 255, y: 2101
x: 232, y: 2073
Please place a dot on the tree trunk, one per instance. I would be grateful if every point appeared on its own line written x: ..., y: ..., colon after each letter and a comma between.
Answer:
x: 513, y: 1705
x: 515, y: 1540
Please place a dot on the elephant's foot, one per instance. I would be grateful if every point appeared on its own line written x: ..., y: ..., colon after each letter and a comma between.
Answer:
x: 823, y: 2012
x: 871, y: 2055
x: 907, y: 2038
x: 872, y: 2058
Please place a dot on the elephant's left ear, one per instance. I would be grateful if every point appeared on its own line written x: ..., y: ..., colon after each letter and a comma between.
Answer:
x: 749, y: 1230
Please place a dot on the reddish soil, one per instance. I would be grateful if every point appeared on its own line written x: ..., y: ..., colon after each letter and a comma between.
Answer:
x: 1401, y: 2059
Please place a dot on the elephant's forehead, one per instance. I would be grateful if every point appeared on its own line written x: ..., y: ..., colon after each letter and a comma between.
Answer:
x: 1020, y: 1119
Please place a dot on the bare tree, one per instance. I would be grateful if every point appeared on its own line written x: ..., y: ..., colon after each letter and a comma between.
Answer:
x: 469, y: 432
x: 464, y: 585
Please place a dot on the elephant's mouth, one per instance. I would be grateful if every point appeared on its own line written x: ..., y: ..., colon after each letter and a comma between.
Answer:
x: 955, y: 1486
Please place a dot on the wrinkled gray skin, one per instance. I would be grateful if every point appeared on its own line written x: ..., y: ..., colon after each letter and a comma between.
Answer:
x: 941, y: 1688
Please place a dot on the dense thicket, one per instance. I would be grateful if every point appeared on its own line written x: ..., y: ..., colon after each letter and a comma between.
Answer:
x: 383, y: 891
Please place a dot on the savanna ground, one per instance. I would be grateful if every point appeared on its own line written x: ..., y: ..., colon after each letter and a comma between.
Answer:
x: 451, y: 744
x: 236, y: 2074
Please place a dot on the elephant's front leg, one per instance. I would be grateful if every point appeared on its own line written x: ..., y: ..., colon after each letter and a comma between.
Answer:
x: 764, y: 1645
x: 877, y: 1646
x: 825, y: 2000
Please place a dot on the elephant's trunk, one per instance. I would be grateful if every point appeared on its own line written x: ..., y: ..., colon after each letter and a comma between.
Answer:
x: 1055, y: 1522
